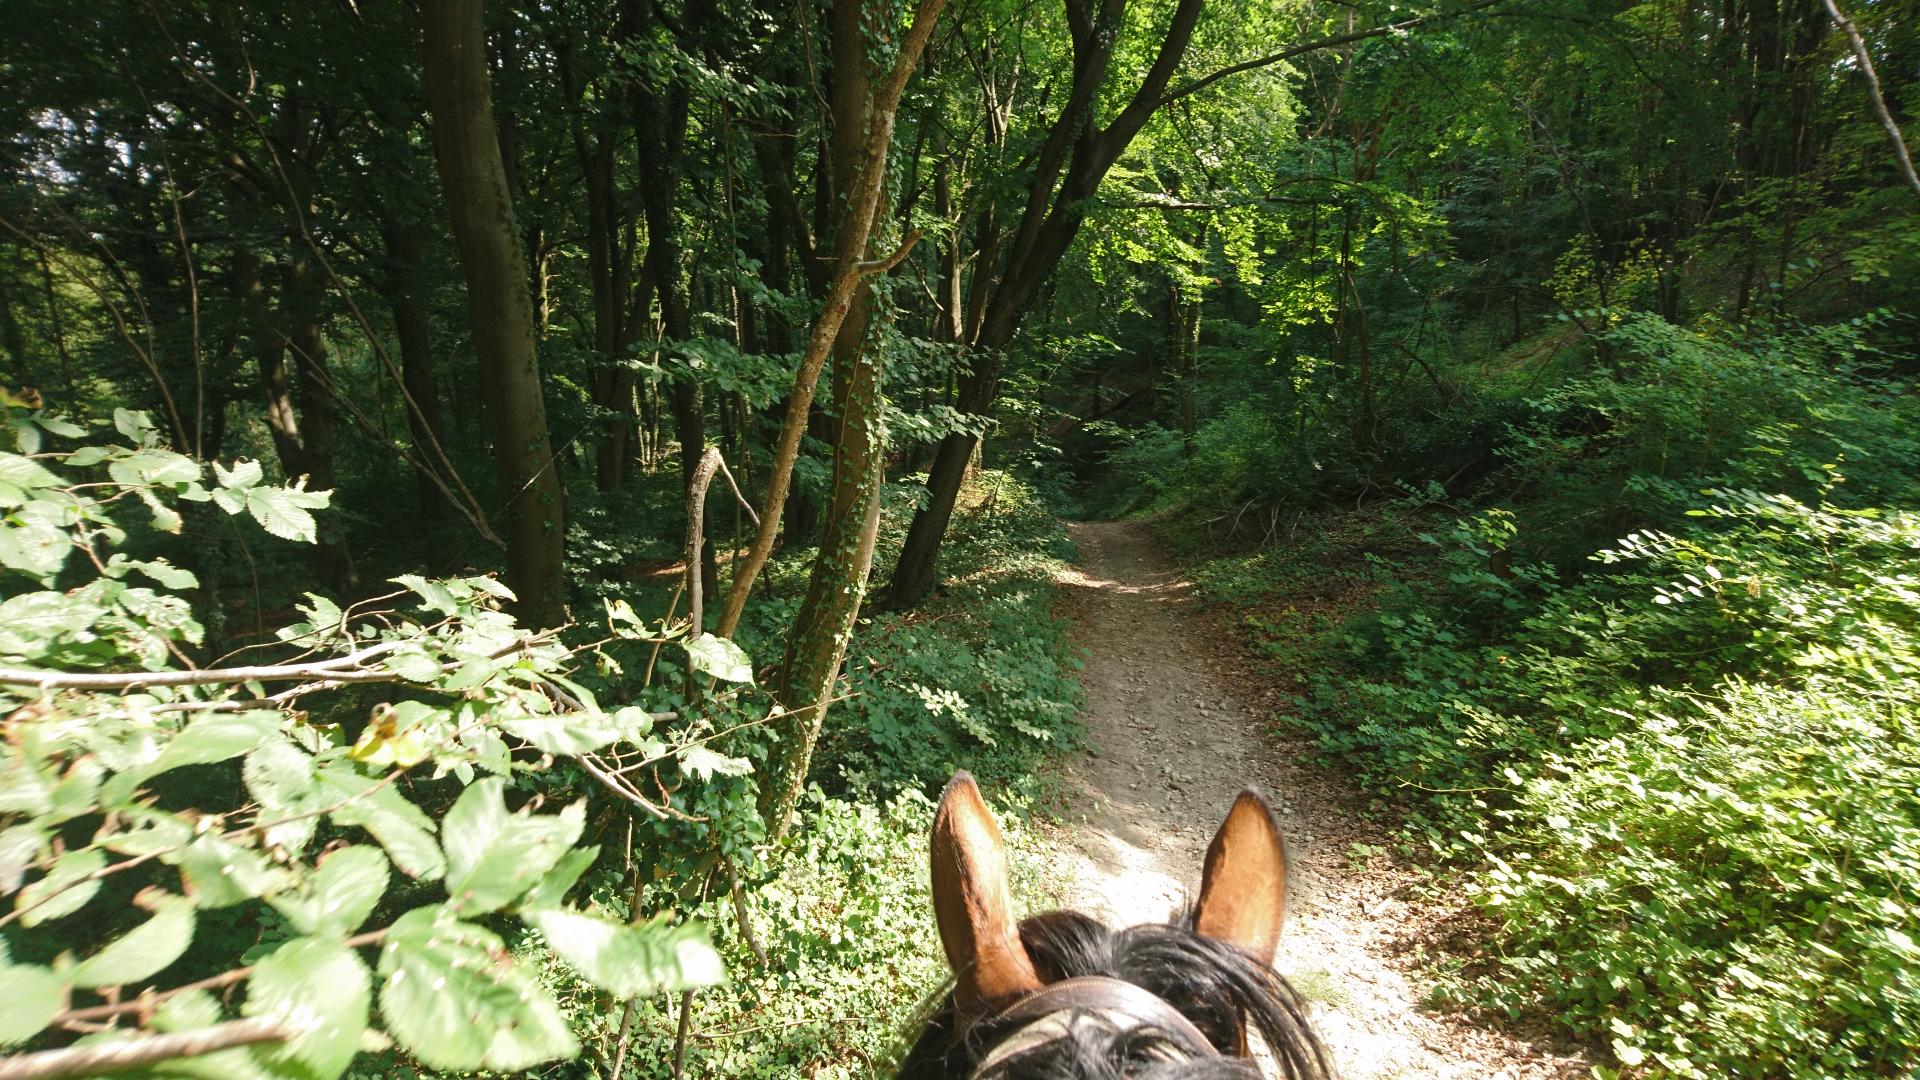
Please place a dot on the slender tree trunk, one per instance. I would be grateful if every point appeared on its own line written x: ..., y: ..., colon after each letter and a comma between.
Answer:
x: 862, y: 134
x: 818, y: 642
x: 474, y: 178
x: 302, y: 290
x: 660, y: 120
x: 1067, y: 171
x: 402, y: 287
x: 14, y: 338
x: 58, y: 328
x: 915, y: 574
x: 270, y: 355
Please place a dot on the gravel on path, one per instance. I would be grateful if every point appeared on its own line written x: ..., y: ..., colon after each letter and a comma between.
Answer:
x: 1173, y: 736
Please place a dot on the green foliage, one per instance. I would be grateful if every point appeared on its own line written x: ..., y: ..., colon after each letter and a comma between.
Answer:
x: 1725, y: 887
x: 144, y: 801
x: 853, y: 960
x: 982, y: 678
x: 1679, y: 768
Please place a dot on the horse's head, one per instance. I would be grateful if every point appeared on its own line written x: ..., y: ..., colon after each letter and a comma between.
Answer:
x: 1062, y: 995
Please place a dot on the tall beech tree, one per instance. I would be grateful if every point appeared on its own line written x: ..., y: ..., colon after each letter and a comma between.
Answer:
x: 499, y: 299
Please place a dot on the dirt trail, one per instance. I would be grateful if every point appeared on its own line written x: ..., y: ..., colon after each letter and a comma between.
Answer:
x: 1170, y: 747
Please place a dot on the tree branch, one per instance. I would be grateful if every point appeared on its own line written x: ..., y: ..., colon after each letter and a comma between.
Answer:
x: 96, y: 1058
x: 1900, y: 156
x: 881, y: 266
x: 1284, y: 55
x: 854, y: 234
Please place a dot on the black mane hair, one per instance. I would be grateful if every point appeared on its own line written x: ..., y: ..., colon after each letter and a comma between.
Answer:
x: 1213, y: 984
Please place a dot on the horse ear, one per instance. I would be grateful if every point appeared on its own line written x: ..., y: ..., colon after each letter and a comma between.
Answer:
x: 971, y: 901
x: 1243, y: 891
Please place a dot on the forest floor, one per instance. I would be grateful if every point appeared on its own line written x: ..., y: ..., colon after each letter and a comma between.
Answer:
x: 1175, y: 729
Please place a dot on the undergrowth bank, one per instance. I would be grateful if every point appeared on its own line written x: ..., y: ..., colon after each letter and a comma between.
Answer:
x: 1651, y: 683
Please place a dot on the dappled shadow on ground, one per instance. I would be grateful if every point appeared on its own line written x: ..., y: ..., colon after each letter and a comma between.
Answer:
x: 1175, y: 730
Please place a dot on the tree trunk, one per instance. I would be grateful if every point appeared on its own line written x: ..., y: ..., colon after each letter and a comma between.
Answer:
x: 1067, y: 171
x: 14, y: 338
x: 817, y: 644
x: 270, y: 354
x: 474, y: 178
x: 862, y: 134
x: 302, y: 289
x: 403, y: 290
x: 818, y: 641
x: 916, y: 572
x: 660, y: 122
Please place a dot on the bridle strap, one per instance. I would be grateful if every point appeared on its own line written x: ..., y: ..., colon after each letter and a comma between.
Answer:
x: 1128, y: 1006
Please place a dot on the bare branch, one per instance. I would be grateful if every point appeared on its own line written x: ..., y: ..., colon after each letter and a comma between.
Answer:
x: 96, y: 1058
x: 881, y: 266
x: 1901, y: 158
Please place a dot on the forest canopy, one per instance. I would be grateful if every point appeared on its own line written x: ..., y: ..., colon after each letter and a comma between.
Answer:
x: 527, y: 497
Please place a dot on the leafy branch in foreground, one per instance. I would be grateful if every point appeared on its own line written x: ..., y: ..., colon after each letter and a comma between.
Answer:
x: 143, y: 801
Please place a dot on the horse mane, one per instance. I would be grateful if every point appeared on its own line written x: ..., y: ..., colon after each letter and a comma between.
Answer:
x: 1212, y: 983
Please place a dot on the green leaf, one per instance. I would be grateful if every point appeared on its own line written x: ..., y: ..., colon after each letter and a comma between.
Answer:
x: 64, y: 890
x: 165, y: 518
x: 32, y: 546
x: 551, y: 890
x: 219, y: 873
x: 279, y: 776
x: 704, y: 763
x: 433, y: 595
x: 33, y: 997
x: 413, y: 665
x: 283, y: 511
x: 405, y: 832
x: 338, y: 897
x: 632, y: 722
x: 720, y: 658
x: 20, y: 847
x: 144, y: 951
x: 25, y: 472
x: 147, y: 832
x: 153, y: 467
x: 628, y: 960
x: 451, y: 995
x: 28, y: 619
x: 159, y: 570
x: 494, y: 856
x: 244, y: 474
x: 217, y: 736
x: 319, y: 988
x: 566, y: 735
x: 136, y: 426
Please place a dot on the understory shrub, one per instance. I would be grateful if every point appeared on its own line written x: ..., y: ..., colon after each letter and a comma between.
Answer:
x: 981, y: 677
x: 1727, y: 887
x: 365, y: 835
x: 1659, y: 701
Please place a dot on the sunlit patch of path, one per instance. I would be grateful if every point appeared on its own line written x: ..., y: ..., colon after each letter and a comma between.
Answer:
x: 1169, y: 747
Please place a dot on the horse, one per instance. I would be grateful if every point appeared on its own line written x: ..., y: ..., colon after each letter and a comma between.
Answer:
x: 1062, y: 996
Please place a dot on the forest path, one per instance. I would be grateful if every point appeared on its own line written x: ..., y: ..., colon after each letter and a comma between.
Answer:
x: 1170, y: 747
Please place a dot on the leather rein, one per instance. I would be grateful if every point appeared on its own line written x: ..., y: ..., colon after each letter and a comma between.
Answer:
x: 1049, y: 1013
